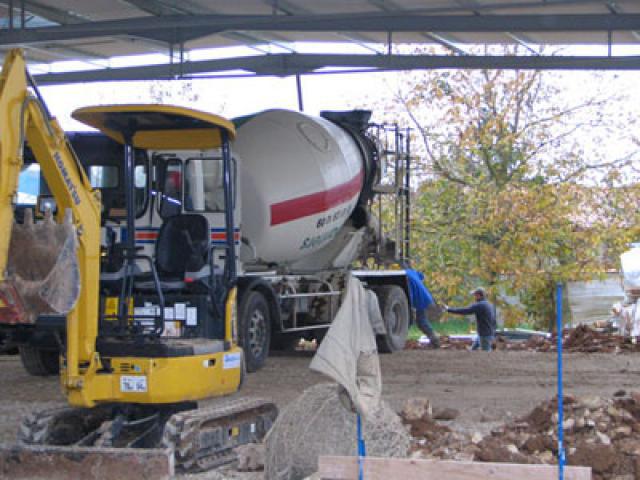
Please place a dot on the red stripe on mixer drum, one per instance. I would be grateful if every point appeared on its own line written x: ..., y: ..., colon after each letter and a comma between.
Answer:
x: 296, y: 208
x: 146, y: 235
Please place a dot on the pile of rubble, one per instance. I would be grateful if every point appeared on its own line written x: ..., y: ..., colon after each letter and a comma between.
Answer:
x: 583, y: 339
x: 601, y: 433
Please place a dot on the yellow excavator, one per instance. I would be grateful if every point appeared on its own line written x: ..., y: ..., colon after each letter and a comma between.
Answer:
x: 129, y: 381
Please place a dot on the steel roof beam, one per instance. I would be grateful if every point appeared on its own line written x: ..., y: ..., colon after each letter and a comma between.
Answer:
x: 289, y: 8
x: 473, y: 6
x: 615, y: 9
x: 56, y: 15
x: 160, y: 8
x: 295, y: 64
x: 194, y: 26
x: 61, y: 52
x: 391, y: 6
x: 172, y: 7
x: 63, y: 18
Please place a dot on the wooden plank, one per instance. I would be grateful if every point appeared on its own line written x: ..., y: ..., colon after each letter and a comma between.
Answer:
x: 346, y: 468
x: 64, y: 463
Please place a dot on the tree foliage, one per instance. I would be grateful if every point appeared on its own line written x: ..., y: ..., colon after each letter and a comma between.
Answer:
x: 510, y: 192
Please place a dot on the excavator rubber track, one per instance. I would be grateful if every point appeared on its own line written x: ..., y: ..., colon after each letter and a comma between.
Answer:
x: 201, y: 438
x: 60, y: 426
x: 204, y: 438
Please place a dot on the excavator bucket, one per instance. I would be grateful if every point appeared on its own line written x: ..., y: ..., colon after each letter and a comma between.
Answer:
x: 43, y: 276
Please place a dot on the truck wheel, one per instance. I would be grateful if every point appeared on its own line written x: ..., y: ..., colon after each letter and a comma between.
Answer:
x: 395, y: 312
x: 39, y: 362
x: 255, y: 329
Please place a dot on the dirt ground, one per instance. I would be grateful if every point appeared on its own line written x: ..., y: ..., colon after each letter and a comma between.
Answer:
x: 485, y: 388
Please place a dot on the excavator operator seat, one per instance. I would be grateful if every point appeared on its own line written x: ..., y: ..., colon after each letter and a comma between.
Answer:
x: 181, y: 252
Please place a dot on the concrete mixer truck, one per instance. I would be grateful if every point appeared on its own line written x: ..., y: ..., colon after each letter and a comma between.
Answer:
x: 307, y: 189
x: 308, y: 193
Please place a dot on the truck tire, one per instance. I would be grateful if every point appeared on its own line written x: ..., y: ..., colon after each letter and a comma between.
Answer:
x: 39, y: 362
x: 254, y: 329
x: 394, y: 307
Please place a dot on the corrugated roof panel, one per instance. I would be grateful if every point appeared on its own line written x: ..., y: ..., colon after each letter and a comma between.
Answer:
x: 418, y: 4
x: 241, y: 7
x: 95, y: 10
x: 589, y: 9
x: 628, y: 6
x: 117, y: 46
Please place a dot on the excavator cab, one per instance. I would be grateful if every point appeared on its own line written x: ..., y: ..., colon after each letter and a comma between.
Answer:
x: 175, y: 299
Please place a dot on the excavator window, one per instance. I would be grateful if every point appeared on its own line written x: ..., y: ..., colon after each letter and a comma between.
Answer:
x: 28, y: 185
x: 103, y: 176
x: 171, y: 198
x: 203, y: 184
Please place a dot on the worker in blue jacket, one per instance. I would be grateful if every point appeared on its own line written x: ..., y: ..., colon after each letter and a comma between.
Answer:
x: 421, y: 299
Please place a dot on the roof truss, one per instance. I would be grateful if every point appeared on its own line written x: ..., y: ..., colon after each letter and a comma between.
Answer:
x: 189, y: 27
x: 175, y: 27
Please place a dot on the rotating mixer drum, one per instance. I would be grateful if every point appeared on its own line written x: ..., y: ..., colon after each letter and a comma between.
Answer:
x: 301, y: 178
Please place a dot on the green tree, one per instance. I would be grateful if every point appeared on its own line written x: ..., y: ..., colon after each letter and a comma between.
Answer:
x: 509, y: 191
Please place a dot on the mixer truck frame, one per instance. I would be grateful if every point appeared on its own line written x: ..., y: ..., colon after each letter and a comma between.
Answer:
x: 307, y: 196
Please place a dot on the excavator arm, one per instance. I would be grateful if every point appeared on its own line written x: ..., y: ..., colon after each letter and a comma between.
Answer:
x: 24, y: 117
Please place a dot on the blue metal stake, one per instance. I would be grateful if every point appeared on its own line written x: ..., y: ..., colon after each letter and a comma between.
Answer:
x: 561, y: 457
x: 362, y: 451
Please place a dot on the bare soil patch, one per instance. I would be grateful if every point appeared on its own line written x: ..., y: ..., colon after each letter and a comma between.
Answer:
x: 487, y: 389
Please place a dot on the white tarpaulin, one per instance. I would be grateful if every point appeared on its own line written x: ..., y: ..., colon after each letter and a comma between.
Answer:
x: 348, y: 353
x: 631, y: 269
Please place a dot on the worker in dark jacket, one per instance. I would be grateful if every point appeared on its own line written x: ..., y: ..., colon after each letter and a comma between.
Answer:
x: 422, y: 300
x: 485, y: 319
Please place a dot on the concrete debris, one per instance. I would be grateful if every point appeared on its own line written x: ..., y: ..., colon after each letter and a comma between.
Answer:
x: 250, y: 457
x: 582, y: 339
x: 416, y: 408
x: 599, y: 432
